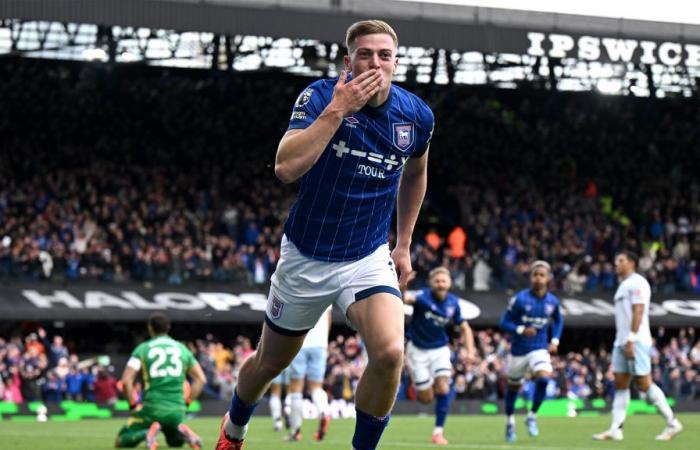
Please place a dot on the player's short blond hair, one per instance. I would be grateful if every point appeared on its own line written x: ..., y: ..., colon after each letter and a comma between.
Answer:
x: 365, y: 27
x: 438, y: 271
x: 541, y: 263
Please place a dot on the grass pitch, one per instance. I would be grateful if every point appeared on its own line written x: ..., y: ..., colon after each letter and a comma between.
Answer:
x: 404, y: 433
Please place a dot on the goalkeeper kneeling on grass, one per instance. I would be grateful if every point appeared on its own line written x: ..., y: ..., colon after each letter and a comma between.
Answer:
x: 164, y: 364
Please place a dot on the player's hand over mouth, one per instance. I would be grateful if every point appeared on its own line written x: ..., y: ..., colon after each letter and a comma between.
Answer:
x: 352, y: 96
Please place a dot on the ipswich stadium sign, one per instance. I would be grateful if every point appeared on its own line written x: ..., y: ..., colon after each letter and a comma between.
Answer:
x: 244, y: 304
x: 608, y: 49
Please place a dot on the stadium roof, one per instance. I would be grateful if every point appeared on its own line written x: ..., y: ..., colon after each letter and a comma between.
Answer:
x: 418, y: 23
x: 439, y: 43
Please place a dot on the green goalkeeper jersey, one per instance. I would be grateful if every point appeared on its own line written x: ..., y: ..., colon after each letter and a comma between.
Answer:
x: 164, y: 363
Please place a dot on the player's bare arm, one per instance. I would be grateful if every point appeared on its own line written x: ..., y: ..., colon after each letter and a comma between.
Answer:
x: 637, y: 313
x: 468, y: 336
x: 414, y: 181
x: 407, y: 297
x: 553, y: 346
x: 128, y: 378
x: 199, y: 379
x: 299, y: 149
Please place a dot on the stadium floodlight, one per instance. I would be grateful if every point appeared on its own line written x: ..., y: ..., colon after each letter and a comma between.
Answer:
x: 95, y: 54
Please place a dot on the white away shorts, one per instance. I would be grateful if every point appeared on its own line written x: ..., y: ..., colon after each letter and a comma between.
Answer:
x: 428, y: 363
x: 519, y: 366
x: 302, y: 288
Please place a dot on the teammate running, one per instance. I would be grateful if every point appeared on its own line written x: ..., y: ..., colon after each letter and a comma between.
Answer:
x: 278, y: 410
x: 164, y: 364
x: 427, y: 351
x: 359, y: 146
x: 630, y: 356
x: 535, y: 323
x: 310, y: 365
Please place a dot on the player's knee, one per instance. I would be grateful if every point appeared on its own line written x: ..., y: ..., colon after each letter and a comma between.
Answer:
x: 621, y: 385
x: 425, y: 396
x: 441, y: 386
x: 388, y: 359
x: 643, y: 383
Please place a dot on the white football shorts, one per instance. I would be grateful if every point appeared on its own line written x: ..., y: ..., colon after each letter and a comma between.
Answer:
x: 428, y: 363
x: 519, y: 366
x: 302, y: 288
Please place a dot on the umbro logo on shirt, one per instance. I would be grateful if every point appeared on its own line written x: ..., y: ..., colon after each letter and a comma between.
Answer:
x: 351, y: 122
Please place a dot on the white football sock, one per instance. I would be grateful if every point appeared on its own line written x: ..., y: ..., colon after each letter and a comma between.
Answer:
x: 656, y: 397
x: 320, y: 399
x: 234, y: 431
x: 287, y: 405
x: 275, y: 407
x: 510, y: 420
x: 296, y: 415
x: 619, y: 408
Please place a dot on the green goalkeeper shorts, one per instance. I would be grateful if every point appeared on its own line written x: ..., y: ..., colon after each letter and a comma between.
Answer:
x: 168, y: 417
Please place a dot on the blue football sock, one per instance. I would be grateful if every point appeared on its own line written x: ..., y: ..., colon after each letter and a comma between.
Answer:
x: 511, y: 396
x: 442, y: 407
x: 540, y: 393
x: 368, y: 430
x: 240, y: 412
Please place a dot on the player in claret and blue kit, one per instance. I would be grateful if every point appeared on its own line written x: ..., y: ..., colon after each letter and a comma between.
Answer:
x: 534, y: 320
x: 358, y: 145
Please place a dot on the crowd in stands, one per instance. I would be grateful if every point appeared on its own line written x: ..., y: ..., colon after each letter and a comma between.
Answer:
x: 160, y: 175
x: 34, y: 367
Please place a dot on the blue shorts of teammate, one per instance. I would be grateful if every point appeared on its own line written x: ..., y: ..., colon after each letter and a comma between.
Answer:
x: 310, y: 363
x: 282, y: 378
x: 639, y: 366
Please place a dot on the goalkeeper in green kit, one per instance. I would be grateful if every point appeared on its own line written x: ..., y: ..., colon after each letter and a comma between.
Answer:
x: 164, y: 364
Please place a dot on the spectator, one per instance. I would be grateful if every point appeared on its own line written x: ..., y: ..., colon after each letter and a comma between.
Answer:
x: 105, y: 387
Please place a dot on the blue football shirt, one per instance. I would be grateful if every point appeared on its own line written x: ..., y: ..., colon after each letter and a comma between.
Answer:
x: 430, y: 317
x: 345, y: 201
x: 528, y: 310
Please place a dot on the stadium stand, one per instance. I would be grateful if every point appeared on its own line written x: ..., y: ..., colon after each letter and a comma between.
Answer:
x: 133, y: 173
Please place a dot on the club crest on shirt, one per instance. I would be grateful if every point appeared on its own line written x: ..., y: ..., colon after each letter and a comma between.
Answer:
x: 548, y: 309
x: 403, y: 135
x: 450, y: 310
x: 276, y: 308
